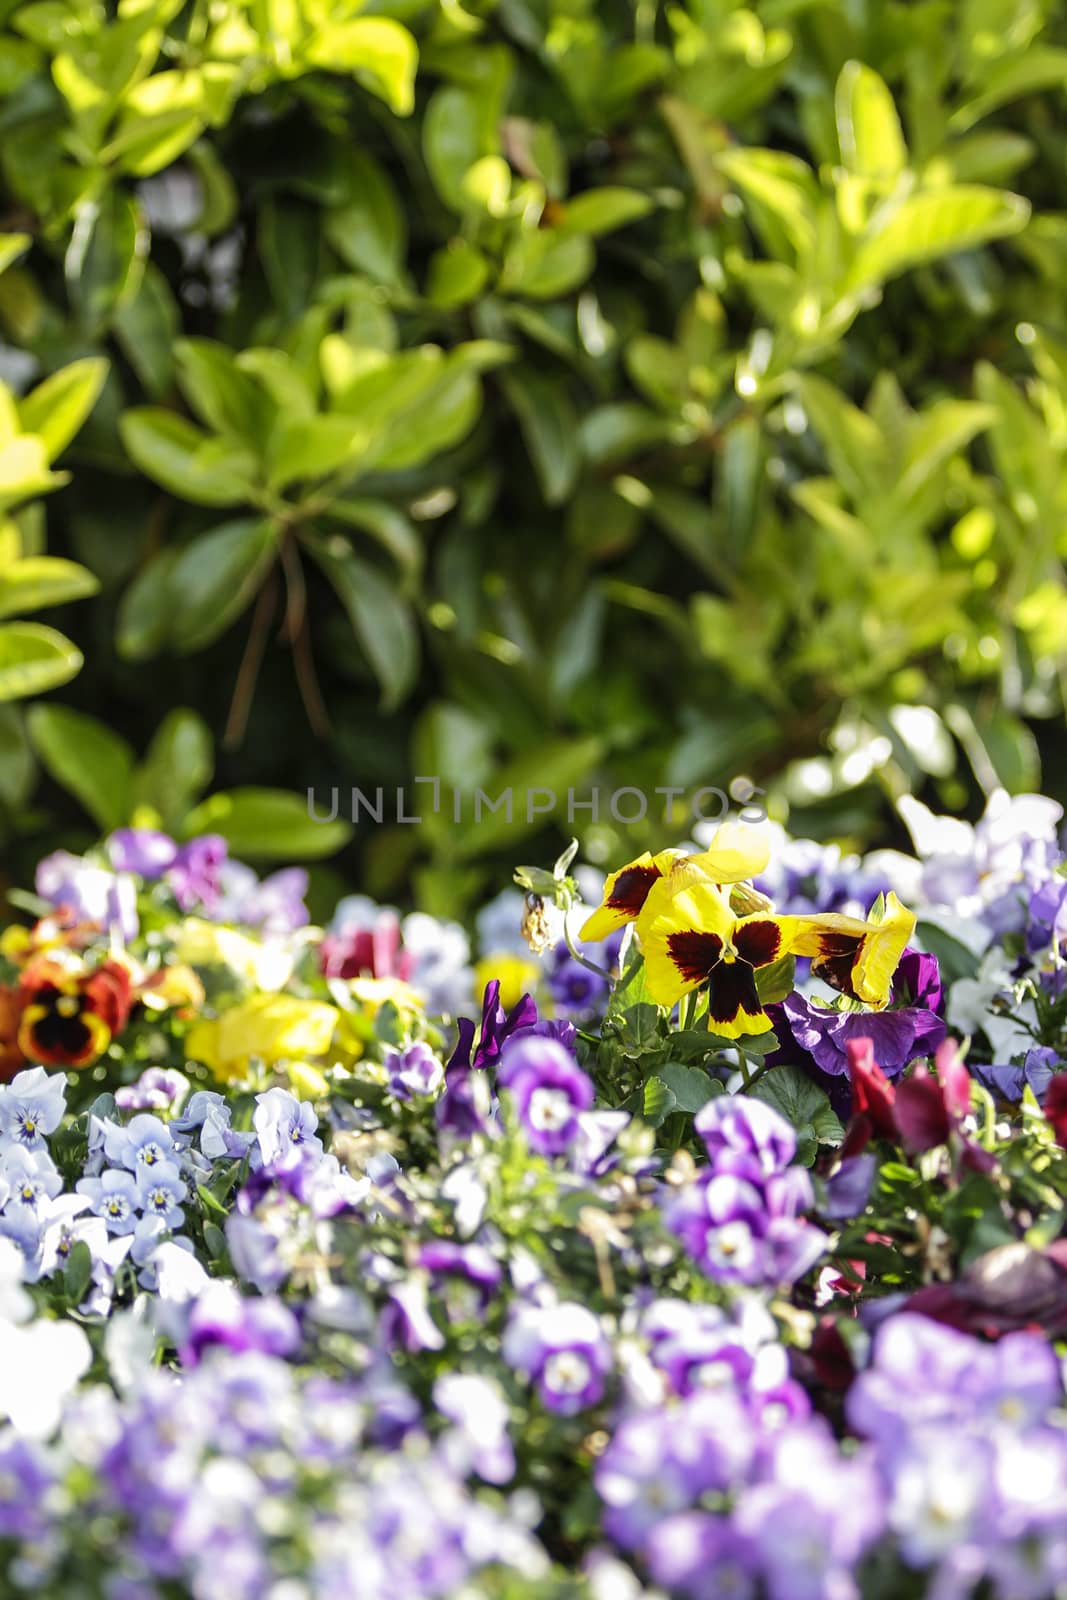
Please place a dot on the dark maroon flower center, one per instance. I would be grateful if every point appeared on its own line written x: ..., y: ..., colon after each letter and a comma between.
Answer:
x: 630, y: 889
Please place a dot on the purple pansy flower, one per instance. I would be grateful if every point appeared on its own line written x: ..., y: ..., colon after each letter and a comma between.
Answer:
x: 195, y: 873
x: 497, y: 1027
x: 463, y: 1108
x: 284, y: 1125
x: 550, y: 1091
x: 740, y: 1125
x: 157, y: 1089
x: 143, y: 851
x: 910, y: 1027
x: 563, y: 1350
x: 90, y: 894
x: 1036, y: 1071
x: 222, y: 1316
x: 467, y: 1273
x: 416, y: 1071
x: 740, y: 1218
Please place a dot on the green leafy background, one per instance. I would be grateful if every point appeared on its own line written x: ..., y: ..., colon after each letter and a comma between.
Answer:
x: 532, y: 393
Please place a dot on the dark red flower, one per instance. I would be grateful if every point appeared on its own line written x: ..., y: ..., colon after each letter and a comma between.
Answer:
x: 1056, y: 1107
x: 367, y: 951
x: 1011, y: 1288
x: 873, y: 1099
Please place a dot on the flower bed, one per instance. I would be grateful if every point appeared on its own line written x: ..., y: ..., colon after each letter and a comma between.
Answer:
x: 700, y: 1240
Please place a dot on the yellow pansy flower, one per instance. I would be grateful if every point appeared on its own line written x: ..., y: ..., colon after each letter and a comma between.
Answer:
x: 211, y: 944
x: 738, y: 850
x: 691, y: 940
x: 373, y: 993
x: 265, y: 1027
x: 856, y: 957
x: 306, y: 1080
x: 517, y: 976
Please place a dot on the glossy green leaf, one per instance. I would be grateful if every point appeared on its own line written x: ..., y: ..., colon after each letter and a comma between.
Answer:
x: 105, y: 259
x: 56, y: 409
x: 927, y: 226
x: 368, y: 232
x: 34, y: 658
x: 86, y: 758
x: 267, y: 825
x: 17, y: 766
x: 457, y: 274
x: 12, y: 245
x: 223, y: 397
x: 868, y: 128
x: 177, y: 768
x: 382, y: 54
x: 600, y: 211
x: 215, y: 578
x: 381, y: 619
x: 549, y: 424
x: 38, y: 581
x: 182, y: 458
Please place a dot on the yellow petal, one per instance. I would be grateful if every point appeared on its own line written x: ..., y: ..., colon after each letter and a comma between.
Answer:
x: 737, y: 850
x: 624, y: 896
x: 880, y: 953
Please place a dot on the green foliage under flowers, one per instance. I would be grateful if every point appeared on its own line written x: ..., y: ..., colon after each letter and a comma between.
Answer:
x: 672, y: 391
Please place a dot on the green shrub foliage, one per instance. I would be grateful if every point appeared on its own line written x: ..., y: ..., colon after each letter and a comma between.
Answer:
x: 531, y: 391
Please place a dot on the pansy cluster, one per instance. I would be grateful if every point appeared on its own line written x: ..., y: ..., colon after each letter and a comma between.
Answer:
x: 714, y: 1251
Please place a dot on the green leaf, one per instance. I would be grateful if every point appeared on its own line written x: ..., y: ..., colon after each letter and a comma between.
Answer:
x: 146, y: 328
x: 185, y: 460
x: 38, y: 581
x: 17, y: 767
x: 12, y: 245
x: 24, y: 470
x: 78, y: 1273
x: 927, y: 226
x: 87, y: 759
x: 782, y: 195
x: 549, y: 423
x: 868, y: 128
x: 146, y: 610
x: 600, y: 211
x: 852, y: 440
x: 658, y: 1102
x: 388, y: 526
x: 533, y: 778
x: 543, y: 265
x: 380, y: 52
x: 314, y: 447
x: 690, y: 1087
x: 290, y: 248
x: 382, y: 621
x: 215, y: 577
x: 775, y: 982
x: 458, y: 273
x: 34, y: 658
x: 56, y: 409
x: 223, y: 396
x: 178, y: 767
x: 105, y: 259
x: 804, y: 1104
x: 269, y: 824
x: 638, y: 1028
x: 368, y: 231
